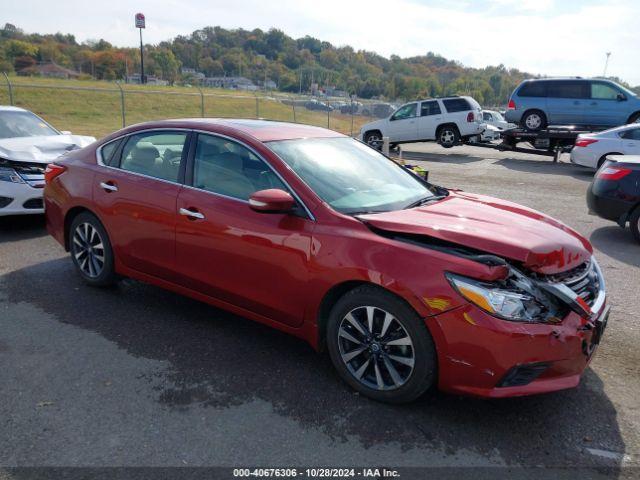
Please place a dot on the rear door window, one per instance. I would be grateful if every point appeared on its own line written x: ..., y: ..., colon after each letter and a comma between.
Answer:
x: 533, y: 89
x: 456, y: 105
x: 430, y: 108
x: 155, y: 154
x: 568, y: 89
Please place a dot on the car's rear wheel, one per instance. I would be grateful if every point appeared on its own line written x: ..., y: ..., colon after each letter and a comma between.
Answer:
x: 634, y: 224
x: 380, y: 346
x: 91, y: 250
x: 448, y: 136
x: 534, y: 120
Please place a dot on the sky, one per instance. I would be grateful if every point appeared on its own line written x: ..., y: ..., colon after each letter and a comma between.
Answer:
x: 550, y: 37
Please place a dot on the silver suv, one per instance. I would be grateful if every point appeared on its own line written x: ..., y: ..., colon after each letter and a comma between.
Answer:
x: 447, y: 120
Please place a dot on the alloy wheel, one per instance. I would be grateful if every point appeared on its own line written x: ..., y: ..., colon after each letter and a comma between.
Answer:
x: 88, y: 250
x: 374, y: 140
x: 533, y: 121
x: 447, y: 136
x: 376, y: 349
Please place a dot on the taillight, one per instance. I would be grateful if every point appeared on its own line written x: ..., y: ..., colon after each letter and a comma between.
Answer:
x: 512, y: 104
x: 470, y: 117
x: 613, y: 173
x: 585, y: 142
x: 52, y: 171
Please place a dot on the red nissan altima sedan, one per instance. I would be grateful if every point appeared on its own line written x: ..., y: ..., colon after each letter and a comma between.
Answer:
x: 405, y: 283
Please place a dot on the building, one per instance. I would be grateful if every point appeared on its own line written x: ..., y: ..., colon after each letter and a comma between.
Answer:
x: 151, y: 80
x: 192, y: 73
x: 49, y: 69
x: 230, y: 83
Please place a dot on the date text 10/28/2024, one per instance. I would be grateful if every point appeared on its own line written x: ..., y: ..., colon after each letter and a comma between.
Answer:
x: 316, y: 472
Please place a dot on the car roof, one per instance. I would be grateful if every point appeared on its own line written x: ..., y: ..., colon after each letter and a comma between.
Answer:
x: 9, y: 108
x: 262, y: 130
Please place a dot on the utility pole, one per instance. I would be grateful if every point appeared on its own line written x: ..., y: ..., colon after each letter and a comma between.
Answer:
x: 140, y: 24
x: 606, y: 64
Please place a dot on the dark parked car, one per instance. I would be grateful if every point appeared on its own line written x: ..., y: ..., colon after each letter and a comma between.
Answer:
x: 406, y: 284
x: 614, y: 193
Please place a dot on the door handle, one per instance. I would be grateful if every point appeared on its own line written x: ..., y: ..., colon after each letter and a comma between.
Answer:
x: 108, y: 186
x: 192, y: 214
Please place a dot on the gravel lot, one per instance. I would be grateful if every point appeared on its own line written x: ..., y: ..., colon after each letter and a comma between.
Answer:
x: 138, y: 376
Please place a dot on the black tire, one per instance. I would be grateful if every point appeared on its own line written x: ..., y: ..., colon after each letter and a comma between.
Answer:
x: 448, y: 136
x: 634, y: 224
x: 373, y: 138
x: 635, y: 118
x: 93, y: 258
x: 533, y: 120
x: 415, y: 379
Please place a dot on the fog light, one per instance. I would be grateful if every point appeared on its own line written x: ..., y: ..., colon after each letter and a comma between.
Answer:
x: 523, y: 374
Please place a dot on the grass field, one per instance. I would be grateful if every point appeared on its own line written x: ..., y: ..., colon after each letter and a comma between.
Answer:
x: 94, y: 107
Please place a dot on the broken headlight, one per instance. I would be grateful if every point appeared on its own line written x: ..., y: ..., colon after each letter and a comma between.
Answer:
x: 514, y: 299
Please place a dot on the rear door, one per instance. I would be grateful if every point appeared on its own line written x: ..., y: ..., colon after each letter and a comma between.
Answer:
x: 631, y: 141
x: 136, y: 193
x: 226, y: 250
x: 604, y: 108
x: 430, y: 118
x: 567, y: 102
x: 403, y: 124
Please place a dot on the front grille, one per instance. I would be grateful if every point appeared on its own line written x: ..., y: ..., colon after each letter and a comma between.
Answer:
x: 583, y: 280
x: 33, y: 204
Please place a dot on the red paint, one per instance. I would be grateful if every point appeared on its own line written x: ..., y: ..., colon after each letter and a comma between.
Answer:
x: 276, y: 268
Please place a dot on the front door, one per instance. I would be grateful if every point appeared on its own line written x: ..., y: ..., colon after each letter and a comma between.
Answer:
x: 136, y: 195
x: 224, y: 249
x: 403, y: 124
x: 605, y: 106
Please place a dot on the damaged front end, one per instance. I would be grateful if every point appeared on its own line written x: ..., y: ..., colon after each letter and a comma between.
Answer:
x: 31, y: 173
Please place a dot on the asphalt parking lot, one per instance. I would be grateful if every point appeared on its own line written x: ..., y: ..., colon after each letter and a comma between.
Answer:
x: 135, y: 375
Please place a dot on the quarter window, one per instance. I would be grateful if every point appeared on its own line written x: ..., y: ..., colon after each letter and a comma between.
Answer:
x: 456, y: 105
x: 533, y: 89
x: 430, y: 108
x: 602, y: 91
x: 227, y: 168
x: 156, y: 154
x: 406, y: 111
x: 633, y: 134
x: 107, y: 152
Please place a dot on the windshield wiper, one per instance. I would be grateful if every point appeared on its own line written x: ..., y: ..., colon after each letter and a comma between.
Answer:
x: 423, y: 200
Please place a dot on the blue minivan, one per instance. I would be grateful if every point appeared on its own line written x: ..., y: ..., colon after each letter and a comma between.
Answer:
x: 537, y: 103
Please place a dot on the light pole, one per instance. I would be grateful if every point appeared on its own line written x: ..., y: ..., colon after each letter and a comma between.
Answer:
x: 606, y: 64
x: 140, y: 24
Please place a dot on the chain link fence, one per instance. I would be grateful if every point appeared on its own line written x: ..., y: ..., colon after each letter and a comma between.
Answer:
x: 102, y: 107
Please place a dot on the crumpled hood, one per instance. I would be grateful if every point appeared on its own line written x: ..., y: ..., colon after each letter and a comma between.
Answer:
x: 494, y: 226
x: 41, y: 149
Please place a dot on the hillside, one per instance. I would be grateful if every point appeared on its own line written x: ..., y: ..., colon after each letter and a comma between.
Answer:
x: 293, y: 64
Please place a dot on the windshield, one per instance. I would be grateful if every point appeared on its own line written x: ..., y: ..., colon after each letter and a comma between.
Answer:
x: 23, y: 124
x: 498, y: 116
x: 349, y: 176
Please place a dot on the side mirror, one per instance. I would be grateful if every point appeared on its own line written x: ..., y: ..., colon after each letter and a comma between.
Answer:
x: 621, y: 97
x: 272, y: 200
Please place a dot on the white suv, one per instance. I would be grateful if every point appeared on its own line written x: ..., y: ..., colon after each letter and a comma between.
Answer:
x: 447, y: 120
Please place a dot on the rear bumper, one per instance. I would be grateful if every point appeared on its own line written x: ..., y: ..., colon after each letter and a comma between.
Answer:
x: 477, y: 353
x: 20, y: 199
x: 513, y: 116
x: 584, y: 157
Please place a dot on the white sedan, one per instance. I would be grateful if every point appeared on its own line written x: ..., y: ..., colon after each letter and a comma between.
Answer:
x: 27, y: 145
x: 591, y: 149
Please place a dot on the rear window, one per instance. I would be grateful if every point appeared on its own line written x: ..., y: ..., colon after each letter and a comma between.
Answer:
x: 533, y: 89
x: 456, y: 105
x: 568, y: 89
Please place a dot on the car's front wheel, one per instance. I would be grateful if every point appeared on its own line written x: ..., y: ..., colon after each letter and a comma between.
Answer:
x: 380, y: 346
x: 91, y: 250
